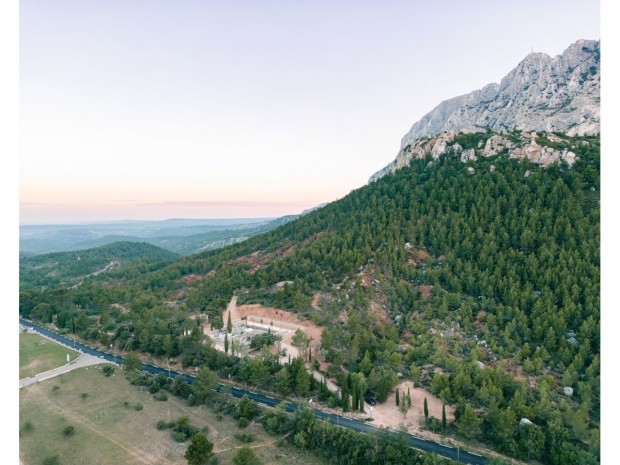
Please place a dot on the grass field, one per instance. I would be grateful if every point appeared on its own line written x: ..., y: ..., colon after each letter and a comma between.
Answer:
x: 109, y: 432
x: 37, y: 354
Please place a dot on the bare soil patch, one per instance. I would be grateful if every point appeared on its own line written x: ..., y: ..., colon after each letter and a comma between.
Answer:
x: 425, y: 290
x: 376, y: 311
x: 388, y: 415
x: 269, y: 314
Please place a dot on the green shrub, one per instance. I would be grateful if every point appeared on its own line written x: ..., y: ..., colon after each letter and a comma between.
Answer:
x: 245, y: 437
x: 179, y: 436
x: 243, y: 422
x: 107, y: 370
x: 161, y: 424
x: 51, y: 460
x: 161, y: 396
x: 138, y: 406
x: 27, y: 428
x: 84, y: 395
x: 69, y: 430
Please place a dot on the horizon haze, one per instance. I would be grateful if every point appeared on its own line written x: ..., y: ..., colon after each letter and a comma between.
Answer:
x: 212, y: 109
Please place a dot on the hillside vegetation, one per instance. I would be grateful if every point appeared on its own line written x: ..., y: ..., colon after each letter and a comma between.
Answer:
x: 63, y: 267
x: 483, y: 287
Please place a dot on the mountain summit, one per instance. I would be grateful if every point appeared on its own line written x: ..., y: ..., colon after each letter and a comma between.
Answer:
x: 560, y: 94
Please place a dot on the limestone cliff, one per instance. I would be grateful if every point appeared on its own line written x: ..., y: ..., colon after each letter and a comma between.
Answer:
x: 560, y: 94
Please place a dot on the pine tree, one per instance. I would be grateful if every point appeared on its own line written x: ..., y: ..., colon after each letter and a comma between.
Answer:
x: 397, y: 398
x: 302, y: 382
x: 199, y: 451
x: 283, y: 382
x: 425, y: 409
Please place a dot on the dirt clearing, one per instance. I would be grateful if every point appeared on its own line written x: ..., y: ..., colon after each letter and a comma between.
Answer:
x: 388, y: 415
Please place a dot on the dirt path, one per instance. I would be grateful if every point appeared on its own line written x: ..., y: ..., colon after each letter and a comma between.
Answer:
x: 232, y: 309
x: 255, y: 446
x: 95, y: 273
x: 331, y: 386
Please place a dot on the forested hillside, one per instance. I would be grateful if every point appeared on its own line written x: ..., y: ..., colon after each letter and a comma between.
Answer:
x: 478, y: 280
x: 63, y: 267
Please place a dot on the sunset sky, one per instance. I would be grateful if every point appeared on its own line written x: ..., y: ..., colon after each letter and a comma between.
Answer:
x: 203, y: 109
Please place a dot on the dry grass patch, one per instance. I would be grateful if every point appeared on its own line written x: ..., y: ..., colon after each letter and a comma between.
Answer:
x: 37, y: 354
x: 109, y: 430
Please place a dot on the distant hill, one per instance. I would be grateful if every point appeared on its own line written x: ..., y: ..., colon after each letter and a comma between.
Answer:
x: 182, y: 236
x: 67, y: 267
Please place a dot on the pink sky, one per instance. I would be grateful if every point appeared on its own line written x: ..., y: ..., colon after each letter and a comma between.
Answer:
x: 274, y: 107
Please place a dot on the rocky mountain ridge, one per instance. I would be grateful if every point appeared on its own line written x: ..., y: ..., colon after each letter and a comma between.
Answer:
x: 543, y: 149
x: 559, y: 94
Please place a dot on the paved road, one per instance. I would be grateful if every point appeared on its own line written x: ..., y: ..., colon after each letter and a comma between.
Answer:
x: 84, y: 360
x: 415, y: 442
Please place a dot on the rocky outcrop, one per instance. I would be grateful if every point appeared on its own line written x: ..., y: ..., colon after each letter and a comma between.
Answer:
x: 559, y: 94
x: 542, y: 149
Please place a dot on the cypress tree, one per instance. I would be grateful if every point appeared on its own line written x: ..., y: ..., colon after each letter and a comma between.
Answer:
x: 226, y: 343
x: 443, y: 416
x: 425, y: 409
x: 397, y: 398
x: 229, y: 326
x: 361, y: 398
x: 345, y: 399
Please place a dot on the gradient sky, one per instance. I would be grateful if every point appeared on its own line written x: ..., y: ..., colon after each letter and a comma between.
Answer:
x: 201, y: 109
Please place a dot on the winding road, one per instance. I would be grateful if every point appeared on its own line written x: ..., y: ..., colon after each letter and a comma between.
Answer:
x: 416, y: 442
